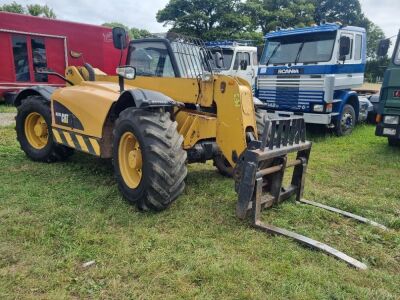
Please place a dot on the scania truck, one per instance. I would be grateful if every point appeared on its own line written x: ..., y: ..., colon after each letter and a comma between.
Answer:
x: 310, y: 71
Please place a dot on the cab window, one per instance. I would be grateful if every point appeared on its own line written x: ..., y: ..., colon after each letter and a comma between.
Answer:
x: 240, y: 57
x: 358, y: 47
x: 151, y: 59
x: 21, y: 61
x: 350, y: 55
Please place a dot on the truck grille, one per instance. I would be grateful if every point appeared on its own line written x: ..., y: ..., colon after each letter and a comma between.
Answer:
x: 291, y: 93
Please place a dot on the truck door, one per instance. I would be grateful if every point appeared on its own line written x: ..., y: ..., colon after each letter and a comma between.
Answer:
x: 244, y: 67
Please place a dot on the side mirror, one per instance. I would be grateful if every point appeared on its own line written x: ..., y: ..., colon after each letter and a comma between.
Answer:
x: 243, y: 65
x: 383, y: 47
x: 218, y: 59
x: 344, y: 46
x: 127, y: 72
x: 75, y: 54
x: 119, y: 38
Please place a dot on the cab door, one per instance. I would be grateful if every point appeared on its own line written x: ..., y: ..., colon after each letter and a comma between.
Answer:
x: 244, y: 66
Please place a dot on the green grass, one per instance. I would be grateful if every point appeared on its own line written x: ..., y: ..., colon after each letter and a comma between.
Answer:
x: 4, y: 108
x: 54, y: 217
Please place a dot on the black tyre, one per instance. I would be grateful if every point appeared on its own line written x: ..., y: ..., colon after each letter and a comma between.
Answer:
x: 393, y: 142
x: 347, y: 121
x: 33, y: 127
x: 222, y: 164
x: 148, y: 158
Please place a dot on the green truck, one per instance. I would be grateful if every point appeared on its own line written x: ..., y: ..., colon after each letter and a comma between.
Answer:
x: 388, y: 118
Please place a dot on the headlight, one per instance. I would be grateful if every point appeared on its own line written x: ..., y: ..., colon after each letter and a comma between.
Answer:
x: 392, y: 120
x: 319, y: 108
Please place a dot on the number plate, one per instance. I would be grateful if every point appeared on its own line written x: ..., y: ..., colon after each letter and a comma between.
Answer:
x: 389, y: 131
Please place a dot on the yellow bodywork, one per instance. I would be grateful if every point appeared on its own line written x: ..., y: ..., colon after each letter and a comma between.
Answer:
x: 230, y: 97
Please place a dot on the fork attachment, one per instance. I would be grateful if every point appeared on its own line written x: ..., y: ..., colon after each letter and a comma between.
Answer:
x: 259, y: 179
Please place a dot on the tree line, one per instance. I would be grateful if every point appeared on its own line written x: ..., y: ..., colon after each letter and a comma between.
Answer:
x: 252, y: 19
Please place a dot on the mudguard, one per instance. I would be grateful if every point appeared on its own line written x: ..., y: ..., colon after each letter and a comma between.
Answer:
x: 40, y: 90
x: 146, y: 98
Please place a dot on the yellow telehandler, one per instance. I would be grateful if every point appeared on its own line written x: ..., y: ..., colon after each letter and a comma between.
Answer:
x: 167, y: 107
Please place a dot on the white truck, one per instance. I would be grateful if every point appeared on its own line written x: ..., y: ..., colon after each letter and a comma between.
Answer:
x: 237, y: 58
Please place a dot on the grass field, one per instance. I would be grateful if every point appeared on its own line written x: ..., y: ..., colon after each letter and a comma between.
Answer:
x: 7, y: 108
x: 55, y: 217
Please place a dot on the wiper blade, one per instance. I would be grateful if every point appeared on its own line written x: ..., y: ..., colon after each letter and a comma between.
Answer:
x: 298, y: 53
x: 273, y: 53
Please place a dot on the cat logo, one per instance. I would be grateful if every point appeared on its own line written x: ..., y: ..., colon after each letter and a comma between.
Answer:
x: 64, y: 118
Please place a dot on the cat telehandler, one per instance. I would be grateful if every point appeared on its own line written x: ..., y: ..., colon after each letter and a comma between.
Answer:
x: 167, y: 108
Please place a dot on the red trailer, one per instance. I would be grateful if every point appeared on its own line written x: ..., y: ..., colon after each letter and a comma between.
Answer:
x: 33, y: 43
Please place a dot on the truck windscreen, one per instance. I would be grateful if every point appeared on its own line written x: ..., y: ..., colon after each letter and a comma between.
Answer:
x: 396, y: 56
x: 227, y: 56
x: 307, y: 48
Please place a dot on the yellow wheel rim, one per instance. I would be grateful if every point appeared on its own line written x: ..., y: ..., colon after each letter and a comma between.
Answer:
x: 130, y: 160
x: 36, y: 130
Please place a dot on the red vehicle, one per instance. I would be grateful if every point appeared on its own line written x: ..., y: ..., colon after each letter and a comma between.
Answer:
x: 29, y: 44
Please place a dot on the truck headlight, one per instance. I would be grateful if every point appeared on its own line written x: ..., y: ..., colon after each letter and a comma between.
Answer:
x: 392, y: 120
x: 318, y: 108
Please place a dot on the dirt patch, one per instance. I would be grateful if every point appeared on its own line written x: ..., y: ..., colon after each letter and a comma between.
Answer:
x: 7, y: 119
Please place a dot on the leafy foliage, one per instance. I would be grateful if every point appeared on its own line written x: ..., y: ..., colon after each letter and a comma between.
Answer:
x: 207, y: 19
x: 267, y: 15
x: 30, y: 9
x: 134, y: 33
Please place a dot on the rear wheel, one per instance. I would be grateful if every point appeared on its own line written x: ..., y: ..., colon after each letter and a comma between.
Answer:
x: 148, y: 158
x: 33, y: 126
x: 347, y: 121
x: 222, y: 164
x: 393, y: 142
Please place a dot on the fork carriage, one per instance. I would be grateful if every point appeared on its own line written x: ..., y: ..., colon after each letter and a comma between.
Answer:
x: 259, y: 180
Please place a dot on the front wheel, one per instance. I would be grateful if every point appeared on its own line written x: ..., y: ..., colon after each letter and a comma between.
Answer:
x: 148, y: 158
x: 34, y: 134
x: 347, y: 121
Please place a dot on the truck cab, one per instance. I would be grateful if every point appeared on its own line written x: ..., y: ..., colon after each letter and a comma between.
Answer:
x: 310, y: 71
x: 388, y: 117
x: 237, y: 58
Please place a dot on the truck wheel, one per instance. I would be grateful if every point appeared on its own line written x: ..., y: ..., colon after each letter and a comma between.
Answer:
x: 148, y: 158
x: 345, y: 124
x: 222, y: 164
x: 394, y: 142
x: 33, y: 127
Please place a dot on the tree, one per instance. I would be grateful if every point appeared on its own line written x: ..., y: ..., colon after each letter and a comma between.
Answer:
x: 134, y: 33
x: 269, y: 14
x: 13, y: 7
x: 206, y: 19
x: 349, y: 12
x: 31, y: 9
x: 41, y: 11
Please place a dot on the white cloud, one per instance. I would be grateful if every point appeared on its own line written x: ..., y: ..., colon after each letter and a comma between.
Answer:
x: 133, y: 13
x: 383, y: 13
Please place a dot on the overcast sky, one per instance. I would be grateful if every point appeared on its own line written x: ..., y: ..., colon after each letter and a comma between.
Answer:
x: 141, y: 13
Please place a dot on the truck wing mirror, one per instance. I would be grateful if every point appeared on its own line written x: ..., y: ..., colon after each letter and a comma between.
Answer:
x: 383, y: 47
x: 119, y: 38
x: 243, y: 65
x: 218, y: 59
x: 344, y: 47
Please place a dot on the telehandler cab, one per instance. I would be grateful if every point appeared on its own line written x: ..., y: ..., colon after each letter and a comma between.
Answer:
x: 165, y: 109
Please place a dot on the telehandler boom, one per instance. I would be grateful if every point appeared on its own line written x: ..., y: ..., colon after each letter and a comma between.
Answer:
x: 166, y: 109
